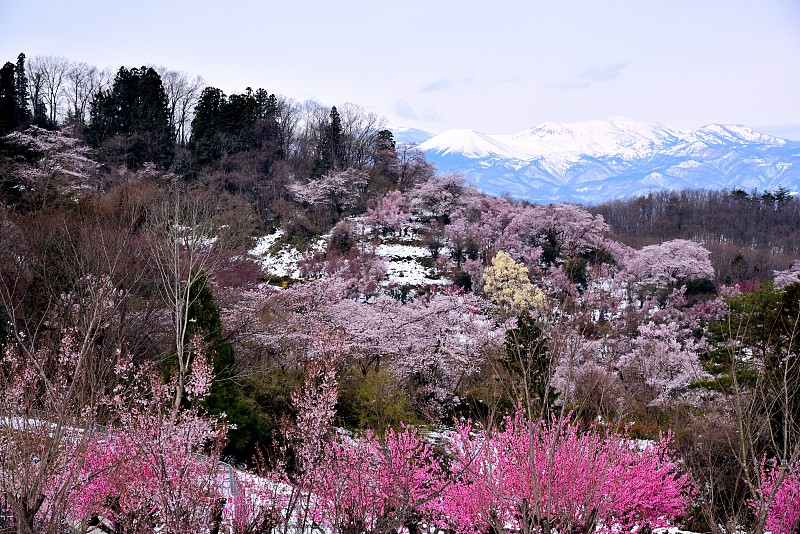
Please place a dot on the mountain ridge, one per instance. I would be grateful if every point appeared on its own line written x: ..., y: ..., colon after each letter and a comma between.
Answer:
x: 594, y: 161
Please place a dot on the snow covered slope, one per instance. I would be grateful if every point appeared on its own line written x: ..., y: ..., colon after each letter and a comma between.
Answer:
x: 594, y: 161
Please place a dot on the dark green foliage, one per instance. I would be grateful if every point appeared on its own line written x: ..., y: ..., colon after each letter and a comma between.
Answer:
x: 330, y: 151
x: 699, y: 286
x: 740, y: 268
x: 21, y: 92
x: 228, y: 125
x: 8, y: 99
x: 751, y: 321
x: 767, y: 322
x: 130, y: 122
x: 342, y: 239
x: 386, y: 155
x: 225, y: 394
x: 782, y: 365
x: 550, y: 251
x: 575, y: 269
x: 462, y: 279
x: 15, y: 113
x: 373, y: 399
x: 528, y: 362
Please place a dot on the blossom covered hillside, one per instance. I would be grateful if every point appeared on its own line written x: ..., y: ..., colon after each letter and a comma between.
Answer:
x: 242, y: 314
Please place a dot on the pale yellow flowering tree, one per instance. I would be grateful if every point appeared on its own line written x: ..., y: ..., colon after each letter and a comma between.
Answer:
x: 507, y: 284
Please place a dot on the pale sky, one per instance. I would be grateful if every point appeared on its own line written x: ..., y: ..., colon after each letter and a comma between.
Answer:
x: 496, y: 66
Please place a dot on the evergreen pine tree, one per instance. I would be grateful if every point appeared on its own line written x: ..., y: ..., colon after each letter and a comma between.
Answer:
x: 330, y: 151
x: 131, y: 121
x: 21, y: 89
x: 528, y: 361
x: 205, y: 139
x: 8, y: 99
x: 337, y: 154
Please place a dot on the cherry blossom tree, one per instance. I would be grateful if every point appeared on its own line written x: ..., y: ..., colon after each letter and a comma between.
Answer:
x: 789, y: 276
x: 563, y: 230
x: 429, y: 344
x: 338, y: 190
x: 664, y: 358
x: 440, y: 196
x: 389, y: 213
x: 669, y: 263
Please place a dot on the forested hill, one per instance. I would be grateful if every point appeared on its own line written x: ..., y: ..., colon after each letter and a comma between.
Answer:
x: 749, y: 234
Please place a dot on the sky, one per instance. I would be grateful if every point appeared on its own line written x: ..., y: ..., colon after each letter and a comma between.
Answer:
x: 498, y: 67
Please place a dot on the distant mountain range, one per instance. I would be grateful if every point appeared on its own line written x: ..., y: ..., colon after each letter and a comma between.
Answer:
x: 594, y: 161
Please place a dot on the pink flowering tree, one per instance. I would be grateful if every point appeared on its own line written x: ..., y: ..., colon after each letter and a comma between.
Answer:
x: 563, y: 230
x: 46, y: 432
x: 552, y: 477
x: 661, y: 362
x: 779, y: 499
x: 667, y: 264
x: 440, y: 196
x: 429, y: 344
x: 389, y: 214
x: 789, y: 276
x: 153, y: 470
x: 339, y: 190
x: 376, y: 484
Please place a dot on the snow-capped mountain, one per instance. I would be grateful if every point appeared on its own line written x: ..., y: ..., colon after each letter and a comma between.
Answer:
x: 594, y: 161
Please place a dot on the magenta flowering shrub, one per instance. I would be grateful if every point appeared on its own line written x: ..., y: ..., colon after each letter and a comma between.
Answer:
x: 376, y: 484
x: 780, y: 492
x: 541, y: 477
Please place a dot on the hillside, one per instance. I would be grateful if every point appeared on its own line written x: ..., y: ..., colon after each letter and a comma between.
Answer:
x: 276, y: 318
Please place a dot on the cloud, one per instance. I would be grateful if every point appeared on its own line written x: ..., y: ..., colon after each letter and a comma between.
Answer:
x: 440, y: 85
x: 603, y: 72
x: 406, y: 111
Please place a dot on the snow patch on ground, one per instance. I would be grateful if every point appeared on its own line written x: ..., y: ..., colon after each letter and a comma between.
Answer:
x: 407, y: 262
x: 284, y: 262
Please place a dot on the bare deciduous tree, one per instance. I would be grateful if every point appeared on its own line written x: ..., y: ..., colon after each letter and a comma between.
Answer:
x: 52, y: 72
x: 182, y: 92
x: 82, y: 83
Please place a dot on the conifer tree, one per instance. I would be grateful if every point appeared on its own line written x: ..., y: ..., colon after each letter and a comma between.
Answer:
x: 225, y: 395
x: 131, y: 120
x: 21, y: 90
x: 8, y: 108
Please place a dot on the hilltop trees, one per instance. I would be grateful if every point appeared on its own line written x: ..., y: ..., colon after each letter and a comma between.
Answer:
x: 14, y: 109
x: 226, y: 125
x: 130, y: 122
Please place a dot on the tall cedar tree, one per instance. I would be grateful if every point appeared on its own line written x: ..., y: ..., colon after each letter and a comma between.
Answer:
x: 130, y: 122
x: 225, y: 393
x: 330, y: 151
x: 8, y: 99
x: 21, y: 90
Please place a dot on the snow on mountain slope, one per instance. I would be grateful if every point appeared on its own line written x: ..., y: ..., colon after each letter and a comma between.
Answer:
x: 594, y: 161
x: 410, y: 135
